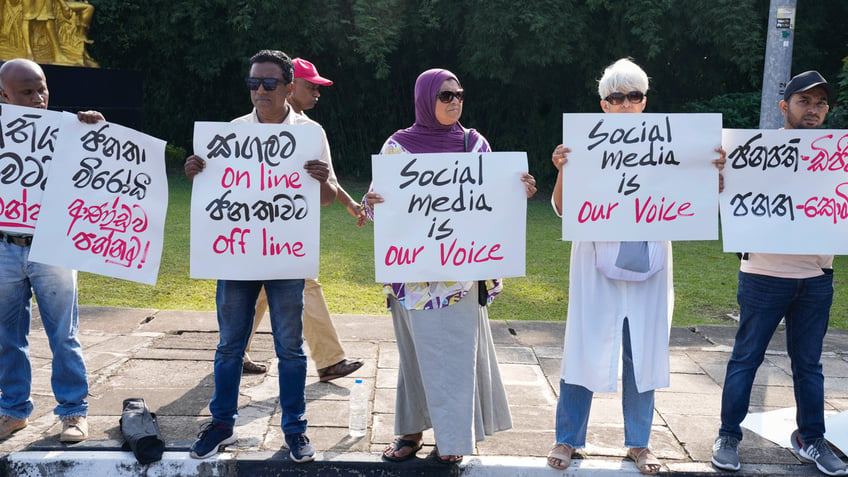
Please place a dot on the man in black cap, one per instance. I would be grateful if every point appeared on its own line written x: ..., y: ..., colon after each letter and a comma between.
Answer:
x: 798, y: 288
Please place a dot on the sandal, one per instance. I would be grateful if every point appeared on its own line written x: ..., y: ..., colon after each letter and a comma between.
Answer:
x: 446, y: 459
x: 645, y: 460
x: 251, y: 367
x: 390, y: 453
x: 562, y: 453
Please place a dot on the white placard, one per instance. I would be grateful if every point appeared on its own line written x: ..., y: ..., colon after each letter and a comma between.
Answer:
x: 27, y: 141
x: 104, y: 207
x: 254, y: 209
x: 785, y: 191
x: 450, y: 216
x: 640, y: 177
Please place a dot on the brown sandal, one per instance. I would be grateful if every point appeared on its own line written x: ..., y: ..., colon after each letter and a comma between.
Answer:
x: 645, y: 460
x: 251, y: 367
x: 562, y: 453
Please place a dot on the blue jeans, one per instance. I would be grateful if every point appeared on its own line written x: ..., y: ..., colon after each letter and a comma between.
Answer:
x: 575, y: 402
x: 763, y: 301
x: 236, y: 302
x: 56, y: 294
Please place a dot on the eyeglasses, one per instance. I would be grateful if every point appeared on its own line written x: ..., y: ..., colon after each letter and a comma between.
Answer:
x: 270, y: 84
x: 634, y: 97
x: 447, y: 96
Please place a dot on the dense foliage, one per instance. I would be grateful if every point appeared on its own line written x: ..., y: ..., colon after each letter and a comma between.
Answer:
x: 523, y: 63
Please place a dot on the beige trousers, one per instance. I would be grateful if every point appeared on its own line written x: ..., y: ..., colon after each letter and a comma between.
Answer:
x: 318, y: 330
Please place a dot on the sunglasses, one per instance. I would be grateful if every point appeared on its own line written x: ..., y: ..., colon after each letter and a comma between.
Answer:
x: 635, y: 97
x: 270, y: 84
x: 447, y: 96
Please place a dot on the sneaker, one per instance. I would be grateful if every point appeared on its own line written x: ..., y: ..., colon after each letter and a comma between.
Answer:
x: 9, y: 425
x: 726, y: 453
x: 210, y: 438
x: 74, y: 429
x: 821, y: 453
x: 300, y: 448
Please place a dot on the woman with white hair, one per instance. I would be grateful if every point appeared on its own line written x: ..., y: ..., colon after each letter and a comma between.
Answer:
x: 621, y: 307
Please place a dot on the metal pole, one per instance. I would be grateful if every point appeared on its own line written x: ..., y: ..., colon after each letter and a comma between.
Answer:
x: 778, y: 62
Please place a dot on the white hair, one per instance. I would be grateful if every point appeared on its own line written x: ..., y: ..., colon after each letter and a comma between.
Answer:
x: 624, y: 75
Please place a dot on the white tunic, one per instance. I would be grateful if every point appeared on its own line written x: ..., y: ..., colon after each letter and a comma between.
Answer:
x: 597, y: 307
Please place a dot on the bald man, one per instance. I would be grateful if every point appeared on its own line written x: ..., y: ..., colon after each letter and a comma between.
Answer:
x: 22, y: 83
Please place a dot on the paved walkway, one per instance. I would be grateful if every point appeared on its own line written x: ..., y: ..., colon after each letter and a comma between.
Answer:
x: 166, y: 358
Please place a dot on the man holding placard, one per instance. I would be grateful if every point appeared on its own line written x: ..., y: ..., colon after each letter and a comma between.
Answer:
x: 318, y: 329
x: 22, y: 83
x: 269, y: 83
x: 797, y: 288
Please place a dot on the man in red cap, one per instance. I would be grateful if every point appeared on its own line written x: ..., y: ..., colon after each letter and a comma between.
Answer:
x: 306, y: 82
x: 318, y: 329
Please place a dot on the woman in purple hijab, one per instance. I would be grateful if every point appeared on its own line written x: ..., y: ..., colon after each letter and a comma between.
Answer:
x: 448, y: 376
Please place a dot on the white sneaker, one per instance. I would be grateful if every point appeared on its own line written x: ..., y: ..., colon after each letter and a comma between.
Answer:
x: 74, y: 429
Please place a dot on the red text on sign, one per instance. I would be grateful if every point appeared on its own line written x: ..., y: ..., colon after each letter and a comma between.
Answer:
x: 17, y: 213
x: 270, y: 247
x: 662, y: 212
x: 231, y: 244
x: 401, y: 256
x: 590, y: 211
x: 459, y: 255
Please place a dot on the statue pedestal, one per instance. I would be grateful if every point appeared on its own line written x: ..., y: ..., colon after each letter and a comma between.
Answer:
x: 118, y: 94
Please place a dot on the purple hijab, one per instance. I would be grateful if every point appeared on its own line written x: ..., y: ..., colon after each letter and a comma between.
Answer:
x: 427, y: 134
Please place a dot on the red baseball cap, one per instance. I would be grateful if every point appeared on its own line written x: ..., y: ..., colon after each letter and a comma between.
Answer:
x: 306, y: 70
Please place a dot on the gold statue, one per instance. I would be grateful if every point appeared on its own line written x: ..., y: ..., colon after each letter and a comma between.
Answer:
x: 46, y: 31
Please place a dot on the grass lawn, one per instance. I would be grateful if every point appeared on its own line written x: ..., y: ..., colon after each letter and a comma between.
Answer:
x: 704, y: 276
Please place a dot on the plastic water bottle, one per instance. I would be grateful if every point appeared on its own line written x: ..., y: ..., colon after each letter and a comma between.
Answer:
x: 358, y: 423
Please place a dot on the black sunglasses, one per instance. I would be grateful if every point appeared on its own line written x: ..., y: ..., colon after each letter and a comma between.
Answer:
x: 447, y: 96
x: 270, y: 84
x: 635, y: 97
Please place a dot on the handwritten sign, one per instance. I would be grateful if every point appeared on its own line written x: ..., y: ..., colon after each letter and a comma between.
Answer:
x: 449, y: 217
x: 27, y: 142
x: 785, y: 191
x: 104, y: 207
x: 254, y: 209
x: 640, y: 177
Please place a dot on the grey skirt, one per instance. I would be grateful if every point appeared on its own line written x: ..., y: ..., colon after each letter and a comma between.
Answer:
x: 448, y: 376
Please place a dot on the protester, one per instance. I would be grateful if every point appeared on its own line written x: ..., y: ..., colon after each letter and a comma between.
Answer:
x: 269, y: 83
x: 318, y: 330
x: 22, y: 83
x: 448, y: 377
x: 797, y: 289
x: 627, y: 307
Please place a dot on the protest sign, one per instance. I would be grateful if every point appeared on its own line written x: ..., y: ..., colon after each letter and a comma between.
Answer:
x: 254, y: 209
x: 450, y: 216
x: 640, y: 177
x: 785, y: 191
x: 27, y: 141
x: 104, y: 207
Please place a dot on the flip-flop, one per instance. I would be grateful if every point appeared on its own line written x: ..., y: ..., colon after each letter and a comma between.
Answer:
x: 399, y: 444
x: 564, y: 458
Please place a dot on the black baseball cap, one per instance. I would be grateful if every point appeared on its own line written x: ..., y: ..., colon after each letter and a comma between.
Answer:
x: 807, y: 80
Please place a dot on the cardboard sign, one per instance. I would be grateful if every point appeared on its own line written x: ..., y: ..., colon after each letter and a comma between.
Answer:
x: 254, y: 209
x: 27, y: 141
x: 104, y: 207
x: 640, y: 177
x: 785, y: 191
x: 449, y: 216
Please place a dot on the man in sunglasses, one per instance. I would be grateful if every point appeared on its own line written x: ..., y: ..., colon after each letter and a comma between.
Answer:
x: 22, y: 83
x: 318, y: 329
x: 797, y: 288
x: 269, y: 83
